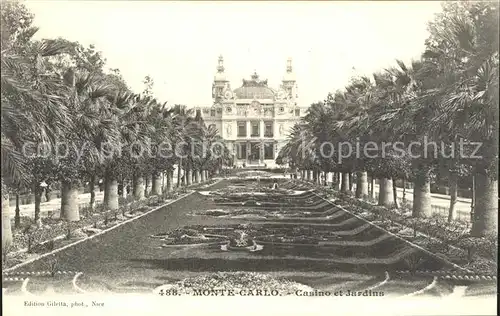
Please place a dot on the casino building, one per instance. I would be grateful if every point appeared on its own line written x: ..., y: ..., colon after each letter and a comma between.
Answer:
x: 253, y: 119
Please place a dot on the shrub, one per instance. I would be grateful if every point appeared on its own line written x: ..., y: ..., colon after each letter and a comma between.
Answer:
x: 470, y: 244
x: 488, y: 246
x: 124, y: 209
x: 413, y: 261
x: 52, y: 265
x: 69, y: 227
x: 34, y: 235
x: 50, y: 245
x: 438, y: 247
x: 5, y: 252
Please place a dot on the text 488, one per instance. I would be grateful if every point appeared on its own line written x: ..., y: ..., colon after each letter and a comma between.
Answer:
x: 171, y: 292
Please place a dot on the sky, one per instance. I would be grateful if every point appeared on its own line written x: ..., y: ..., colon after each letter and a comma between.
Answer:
x: 178, y: 44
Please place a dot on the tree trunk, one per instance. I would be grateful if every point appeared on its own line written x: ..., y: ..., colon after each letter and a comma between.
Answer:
x: 351, y: 182
x: 38, y: 201
x: 302, y: 175
x: 179, y: 177
x: 188, y: 176
x: 309, y: 175
x: 156, y: 184
x: 197, y: 176
x: 372, y: 186
x: 203, y: 176
x: 207, y: 175
x: 337, y: 181
x: 395, y: 193
x: 385, y: 197
x: 138, y: 183
x: 69, y: 201
x: 422, y: 195
x: 110, y: 193
x: 183, y: 178
x: 453, y: 184
x: 315, y: 176
x: 361, y: 184
x: 6, y: 229
x: 486, y: 206
x: 148, y: 185
x: 170, y: 178
x: 329, y: 178
x: 17, y: 215
x: 344, y: 187
x: 124, y: 189
x: 163, y: 175
x: 92, y: 192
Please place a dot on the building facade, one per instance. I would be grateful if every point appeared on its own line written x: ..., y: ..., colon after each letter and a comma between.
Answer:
x: 254, y: 119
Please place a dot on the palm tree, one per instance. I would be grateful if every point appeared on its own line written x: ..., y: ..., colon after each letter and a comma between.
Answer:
x: 408, y: 122
x: 162, y: 159
x: 91, y: 128
x: 357, y: 124
x: 466, y: 55
x: 183, y: 132
x: 214, y: 156
x: 318, y: 122
x: 299, y: 150
x: 32, y: 111
x: 123, y: 118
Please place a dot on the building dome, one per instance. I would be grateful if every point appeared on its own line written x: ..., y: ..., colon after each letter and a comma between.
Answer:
x: 254, y: 88
x: 254, y: 92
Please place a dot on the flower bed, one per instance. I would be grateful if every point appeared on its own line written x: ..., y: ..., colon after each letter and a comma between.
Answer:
x: 299, y: 239
x: 183, y: 236
x: 254, y: 173
x: 250, y: 187
x: 268, y: 233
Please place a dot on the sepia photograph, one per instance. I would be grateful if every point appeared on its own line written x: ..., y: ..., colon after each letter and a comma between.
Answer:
x: 249, y: 157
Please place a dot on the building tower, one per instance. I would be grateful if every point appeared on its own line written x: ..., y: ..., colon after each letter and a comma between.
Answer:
x: 220, y: 82
x: 289, y: 83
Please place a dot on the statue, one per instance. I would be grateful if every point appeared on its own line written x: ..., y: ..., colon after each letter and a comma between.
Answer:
x: 228, y: 130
